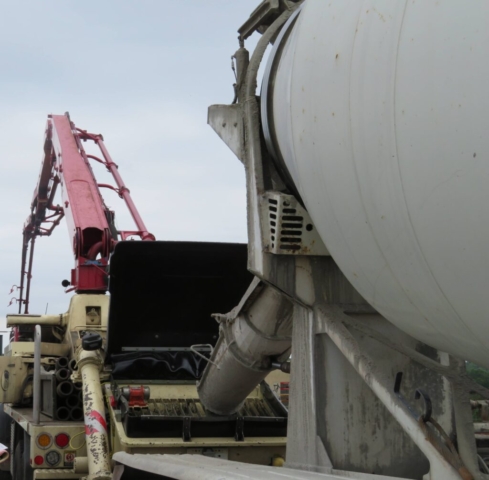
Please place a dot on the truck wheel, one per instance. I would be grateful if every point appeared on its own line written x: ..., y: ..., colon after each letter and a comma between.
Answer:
x: 28, y: 471
x: 5, y: 423
x: 5, y: 429
x: 19, y: 461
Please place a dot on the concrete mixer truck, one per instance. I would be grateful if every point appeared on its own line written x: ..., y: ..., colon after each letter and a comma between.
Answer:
x: 118, y: 372
x: 366, y: 157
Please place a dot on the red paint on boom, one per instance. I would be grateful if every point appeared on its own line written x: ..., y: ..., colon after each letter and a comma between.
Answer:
x: 90, y: 223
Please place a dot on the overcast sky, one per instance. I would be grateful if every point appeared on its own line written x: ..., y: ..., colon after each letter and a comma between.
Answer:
x: 142, y: 73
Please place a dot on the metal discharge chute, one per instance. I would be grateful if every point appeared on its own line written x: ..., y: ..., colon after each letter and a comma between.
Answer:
x: 251, y: 335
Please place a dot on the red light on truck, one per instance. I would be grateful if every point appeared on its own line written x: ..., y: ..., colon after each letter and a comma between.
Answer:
x: 62, y: 440
x: 38, y: 460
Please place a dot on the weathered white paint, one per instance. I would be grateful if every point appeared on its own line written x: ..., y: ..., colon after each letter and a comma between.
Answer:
x: 380, y: 111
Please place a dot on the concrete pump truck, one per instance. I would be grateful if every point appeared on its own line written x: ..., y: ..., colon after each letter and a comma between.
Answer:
x: 118, y: 372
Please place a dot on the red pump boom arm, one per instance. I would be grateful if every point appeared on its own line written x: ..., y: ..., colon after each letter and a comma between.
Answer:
x: 91, y: 226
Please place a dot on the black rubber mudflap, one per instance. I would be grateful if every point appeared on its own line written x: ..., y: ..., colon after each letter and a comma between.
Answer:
x: 163, y: 293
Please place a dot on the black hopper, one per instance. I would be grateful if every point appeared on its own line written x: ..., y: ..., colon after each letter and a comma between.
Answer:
x: 162, y: 298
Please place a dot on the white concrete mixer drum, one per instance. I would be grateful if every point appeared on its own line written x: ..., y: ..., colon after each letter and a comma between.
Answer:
x: 379, y: 110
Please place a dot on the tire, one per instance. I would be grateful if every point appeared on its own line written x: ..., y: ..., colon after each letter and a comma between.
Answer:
x: 28, y: 471
x: 19, y: 461
x: 5, y: 433
x: 5, y: 427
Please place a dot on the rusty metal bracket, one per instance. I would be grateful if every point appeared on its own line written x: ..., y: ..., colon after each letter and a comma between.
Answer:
x: 442, y: 442
x: 433, y: 431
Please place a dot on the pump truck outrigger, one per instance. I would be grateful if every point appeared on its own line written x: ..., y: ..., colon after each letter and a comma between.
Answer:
x: 118, y: 372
